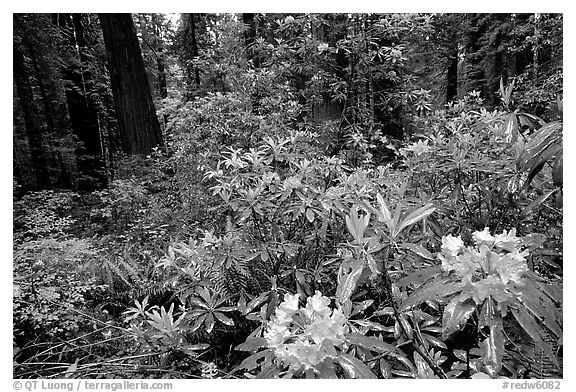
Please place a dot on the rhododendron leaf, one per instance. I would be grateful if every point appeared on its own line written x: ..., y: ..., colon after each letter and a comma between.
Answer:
x: 209, y: 322
x: 357, y: 224
x: 406, y: 327
x: 204, y: 293
x: 199, y: 321
x: 251, y: 362
x: 269, y: 372
x: 534, y: 330
x: 252, y: 344
x: 255, y: 302
x: 362, y: 306
x: 539, y: 200
x: 434, y: 341
x: 385, y: 369
x: 419, y: 250
x: 541, y: 307
x: 414, y: 217
x: 371, y: 325
x: 354, y: 368
x: 348, y: 284
x: 371, y: 343
x: 224, y: 319
x: 437, y: 289
x: 455, y: 315
x: 557, y: 170
x: 492, y: 348
x: 420, y: 276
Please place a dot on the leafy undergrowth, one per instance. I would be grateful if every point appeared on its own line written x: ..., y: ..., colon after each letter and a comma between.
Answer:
x: 269, y: 255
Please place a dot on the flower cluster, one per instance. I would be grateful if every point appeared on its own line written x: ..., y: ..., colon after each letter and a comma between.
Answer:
x: 492, y: 268
x: 304, y: 338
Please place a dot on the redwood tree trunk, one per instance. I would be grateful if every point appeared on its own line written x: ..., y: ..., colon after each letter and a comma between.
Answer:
x: 452, y: 73
x: 137, y: 121
x: 33, y: 132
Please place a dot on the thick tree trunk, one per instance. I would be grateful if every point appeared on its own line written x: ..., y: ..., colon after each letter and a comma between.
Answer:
x: 33, y: 130
x: 452, y: 74
x: 137, y: 121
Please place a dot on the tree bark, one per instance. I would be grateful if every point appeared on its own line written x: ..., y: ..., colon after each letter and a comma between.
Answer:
x: 452, y: 74
x: 137, y: 122
x: 33, y: 131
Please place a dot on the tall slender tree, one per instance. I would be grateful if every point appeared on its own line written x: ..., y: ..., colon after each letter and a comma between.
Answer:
x: 137, y: 122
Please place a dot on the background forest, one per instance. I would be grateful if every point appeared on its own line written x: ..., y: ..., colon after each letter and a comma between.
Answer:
x: 287, y: 195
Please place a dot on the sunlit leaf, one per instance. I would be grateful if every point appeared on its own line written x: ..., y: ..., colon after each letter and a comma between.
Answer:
x: 455, y: 315
x: 414, y: 217
x: 252, y: 344
x: 224, y: 319
x: 354, y: 368
x: 348, y: 284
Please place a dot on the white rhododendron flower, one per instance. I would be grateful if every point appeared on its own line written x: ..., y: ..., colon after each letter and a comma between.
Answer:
x: 483, y: 237
x: 507, y: 241
x: 489, y: 269
x: 305, y: 338
x: 452, y: 245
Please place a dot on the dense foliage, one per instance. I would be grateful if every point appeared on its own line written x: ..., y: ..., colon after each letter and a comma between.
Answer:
x: 334, y: 198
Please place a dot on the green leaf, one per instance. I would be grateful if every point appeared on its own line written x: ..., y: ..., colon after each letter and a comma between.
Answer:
x: 357, y: 224
x: 557, y: 170
x: 541, y: 307
x: 209, y: 322
x: 537, y: 201
x: 435, y: 290
x: 371, y: 325
x: 251, y: 362
x: 534, y: 330
x: 419, y: 250
x: 354, y: 368
x: 384, y: 213
x: 347, y: 285
x: 545, y: 144
x: 455, y: 315
x: 434, y: 341
x: 269, y: 372
x: 371, y: 343
x: 224, y: 319
x: 362, y: 306
x: 385, y: 369
x: 419, y: 277
x: 414, y: 217
x: 252, y: 344
x: 492, y: 348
